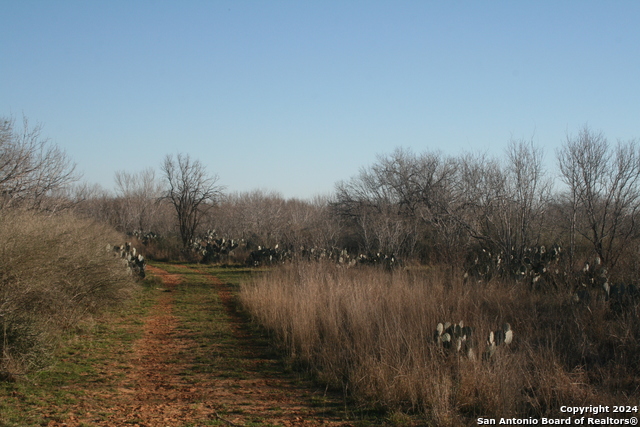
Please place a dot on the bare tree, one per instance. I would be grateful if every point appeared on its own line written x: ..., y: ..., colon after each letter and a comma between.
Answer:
x: 93, y: 201
x: 31, y: 168
x: 481, y: 198
x: 138, y: 195
x: 387, y: 202
x: 425, y: 186
x: 190, y: 190
x: 527, y: 191
x: 257, y: 216
x: 324, y: 228
x: 604, y: 191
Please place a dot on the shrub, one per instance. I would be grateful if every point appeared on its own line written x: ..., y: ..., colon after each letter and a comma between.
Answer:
x: 54, y: 271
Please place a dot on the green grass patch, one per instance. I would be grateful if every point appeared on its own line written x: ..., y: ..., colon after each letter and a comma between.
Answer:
x: 90, y: 362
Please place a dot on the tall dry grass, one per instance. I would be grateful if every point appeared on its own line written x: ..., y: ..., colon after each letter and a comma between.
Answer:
x: 370, y: 332
x: 54, y: 271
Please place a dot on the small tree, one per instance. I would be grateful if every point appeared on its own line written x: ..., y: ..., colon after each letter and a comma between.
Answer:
x: 190, y: 190
x: 137, y: 196
x: 604, y: 192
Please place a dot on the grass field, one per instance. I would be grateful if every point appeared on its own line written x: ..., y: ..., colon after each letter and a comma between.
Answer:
x: 371, y: 333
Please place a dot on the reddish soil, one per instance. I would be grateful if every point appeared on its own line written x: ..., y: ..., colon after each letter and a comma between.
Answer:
x: 272, y: 399
x: 154, y: 393
x: 160, y: 396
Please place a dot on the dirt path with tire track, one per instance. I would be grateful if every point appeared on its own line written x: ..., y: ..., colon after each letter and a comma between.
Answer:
x: 262, y: 393
x: 160, y: 396
x: 157, y: 387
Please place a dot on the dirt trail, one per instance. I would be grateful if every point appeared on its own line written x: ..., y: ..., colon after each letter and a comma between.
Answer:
x: 157, y: 395
x: 155, y: 392
x: 273, y: 398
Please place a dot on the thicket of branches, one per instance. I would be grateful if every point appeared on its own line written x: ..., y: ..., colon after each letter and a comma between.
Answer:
x: 438, y: 207
x: 428, y: 207
x: 441, y: 208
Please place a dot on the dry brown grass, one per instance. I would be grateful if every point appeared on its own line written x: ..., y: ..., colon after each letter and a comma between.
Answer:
x: 370, y: 332
x: 54, y: 271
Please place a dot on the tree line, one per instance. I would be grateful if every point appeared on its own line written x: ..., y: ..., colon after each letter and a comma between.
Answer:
x: 428, y: 207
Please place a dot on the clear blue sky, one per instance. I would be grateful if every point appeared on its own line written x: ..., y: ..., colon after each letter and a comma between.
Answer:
x: 295, y: 95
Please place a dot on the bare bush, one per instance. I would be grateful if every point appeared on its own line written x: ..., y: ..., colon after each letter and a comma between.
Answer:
x: 503, y: 205
x: 55, y: 270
